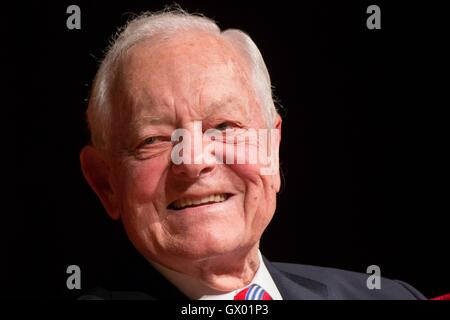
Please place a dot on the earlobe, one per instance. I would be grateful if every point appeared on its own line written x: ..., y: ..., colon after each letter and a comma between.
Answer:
x: 97, y: 173
x: 278, y: 122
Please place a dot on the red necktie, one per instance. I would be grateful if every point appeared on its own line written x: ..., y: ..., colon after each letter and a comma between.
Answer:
x: 444, y: 297
x: 253, y: 292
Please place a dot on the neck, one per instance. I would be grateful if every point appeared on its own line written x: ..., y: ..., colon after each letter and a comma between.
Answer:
x: 219, y: 274
x: 229, y: 272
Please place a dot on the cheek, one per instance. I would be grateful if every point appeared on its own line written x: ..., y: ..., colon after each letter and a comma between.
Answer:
x: 260, y: 193
x: 141, y: 182
x: 259, y: 173
x: 258, y: 200
x: 140, y: 198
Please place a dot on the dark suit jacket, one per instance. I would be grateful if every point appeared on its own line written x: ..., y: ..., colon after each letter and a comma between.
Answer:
x: 140, y: 280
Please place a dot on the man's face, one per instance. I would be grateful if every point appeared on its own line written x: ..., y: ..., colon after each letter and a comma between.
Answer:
x: 168, y: 86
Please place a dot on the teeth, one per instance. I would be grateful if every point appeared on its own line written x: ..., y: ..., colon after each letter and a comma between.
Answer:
x: 188, y: 202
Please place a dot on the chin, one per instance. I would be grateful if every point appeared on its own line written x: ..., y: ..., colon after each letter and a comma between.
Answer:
x: 209, y: 244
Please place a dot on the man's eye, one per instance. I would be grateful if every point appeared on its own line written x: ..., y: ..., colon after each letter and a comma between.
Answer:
x: 224, y: 126
x: 152, y: 140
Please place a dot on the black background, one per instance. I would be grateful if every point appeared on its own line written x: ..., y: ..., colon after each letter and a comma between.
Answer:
x: 363, y: 150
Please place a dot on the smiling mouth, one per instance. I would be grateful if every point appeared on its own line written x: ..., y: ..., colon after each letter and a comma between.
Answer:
x: 197, y: 202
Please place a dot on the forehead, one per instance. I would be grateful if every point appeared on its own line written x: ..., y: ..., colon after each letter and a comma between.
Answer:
x: 195, y: 70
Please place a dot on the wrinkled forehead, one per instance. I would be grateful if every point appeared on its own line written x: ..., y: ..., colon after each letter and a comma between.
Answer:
x: 196, y: 70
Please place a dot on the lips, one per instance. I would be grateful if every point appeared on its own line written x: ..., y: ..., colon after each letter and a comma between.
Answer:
x: 189, y: 202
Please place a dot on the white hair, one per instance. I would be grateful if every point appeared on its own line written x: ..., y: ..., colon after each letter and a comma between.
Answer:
x: 166, y: 23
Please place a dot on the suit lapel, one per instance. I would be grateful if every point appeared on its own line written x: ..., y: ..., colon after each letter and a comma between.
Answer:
x: 294, y: 287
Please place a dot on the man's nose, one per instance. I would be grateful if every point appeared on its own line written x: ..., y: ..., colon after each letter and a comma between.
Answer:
x: 192, y: 170
x: 200, y: 162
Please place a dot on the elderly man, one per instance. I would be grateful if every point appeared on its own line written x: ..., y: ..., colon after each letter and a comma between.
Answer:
x: 169, y: 103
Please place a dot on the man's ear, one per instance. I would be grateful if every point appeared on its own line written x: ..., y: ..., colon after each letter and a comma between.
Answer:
x: 278, y: 123
x: 97, y: 173
x: 277, y: 178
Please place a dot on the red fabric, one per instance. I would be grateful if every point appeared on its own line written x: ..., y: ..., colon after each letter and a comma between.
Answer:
x: 241, y: 295
x: 266, y: 296
x: 443, y: 297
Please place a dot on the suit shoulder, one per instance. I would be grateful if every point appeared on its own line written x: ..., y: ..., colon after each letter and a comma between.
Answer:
x: 103, y: 294
x: 343, y: 284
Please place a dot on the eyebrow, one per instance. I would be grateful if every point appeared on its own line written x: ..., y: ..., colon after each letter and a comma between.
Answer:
x: 225, y: 105
x: 150, y: 119
x: 146, y: 120
x: 229, y: 103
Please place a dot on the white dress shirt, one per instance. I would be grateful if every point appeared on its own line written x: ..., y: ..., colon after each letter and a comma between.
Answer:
x: 196, y: 290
